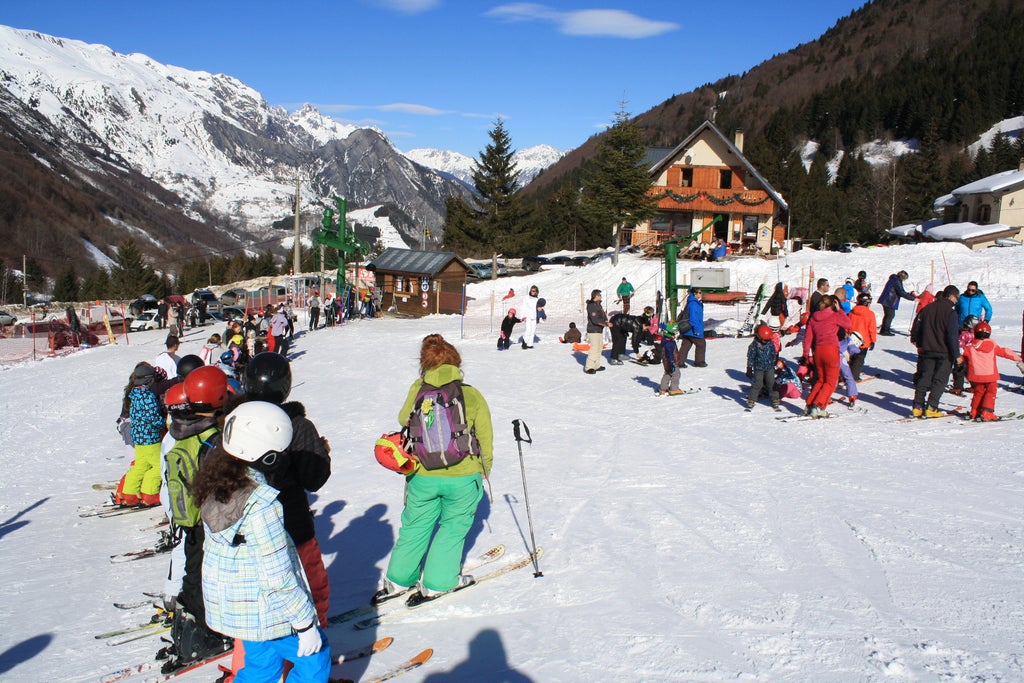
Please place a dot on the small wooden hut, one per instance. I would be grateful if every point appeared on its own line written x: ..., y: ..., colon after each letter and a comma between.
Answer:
x: 419, y: 283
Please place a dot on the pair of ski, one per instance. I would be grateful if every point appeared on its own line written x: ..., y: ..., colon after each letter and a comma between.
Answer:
x: 356, y: 612
x: 857, y: 410
x: 139, y: 554
x: 684, y: 392
x: 379, y: 646
x: 383, y: 615
x: 158, y: 623
x: 111, y: 509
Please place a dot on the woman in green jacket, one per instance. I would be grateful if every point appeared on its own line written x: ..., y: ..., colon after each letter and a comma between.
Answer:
x: 445, y: 499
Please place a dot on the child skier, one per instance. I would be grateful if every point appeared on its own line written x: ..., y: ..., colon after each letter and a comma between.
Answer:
x: 141, y: 483
x: 670, y: 379
x: 761, y: 357
x: 849, y: 348
x: 960, y: 369
x: 980, y: 356
x: 507, y: 323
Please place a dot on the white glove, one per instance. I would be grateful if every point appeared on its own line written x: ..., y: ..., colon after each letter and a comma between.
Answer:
x: 310, y: 641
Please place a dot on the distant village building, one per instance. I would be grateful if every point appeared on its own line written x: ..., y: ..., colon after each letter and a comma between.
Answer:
x: 419, y: 283
x: 705, y: 185
x: 982, y: 213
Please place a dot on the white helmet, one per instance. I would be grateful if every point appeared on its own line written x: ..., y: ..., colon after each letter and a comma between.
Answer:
x: 256, y: 428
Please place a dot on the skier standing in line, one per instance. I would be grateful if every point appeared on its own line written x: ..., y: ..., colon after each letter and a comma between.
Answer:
x: 444, y: 499
x: 141, y: 483
x: 253, y: 588
x: 670, y: 377
x: 304, y: 466
x: 507, y: 323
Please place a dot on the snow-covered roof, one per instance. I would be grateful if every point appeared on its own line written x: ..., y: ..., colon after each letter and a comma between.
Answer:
x: 913, y: 229
x: 965, y: 231
x: 944, y: 201
x: 998, y: 182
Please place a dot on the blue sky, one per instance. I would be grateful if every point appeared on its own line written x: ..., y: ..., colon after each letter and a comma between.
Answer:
x: 438, y: 73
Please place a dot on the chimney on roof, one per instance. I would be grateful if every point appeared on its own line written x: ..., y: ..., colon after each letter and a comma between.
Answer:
x: 738, y: 139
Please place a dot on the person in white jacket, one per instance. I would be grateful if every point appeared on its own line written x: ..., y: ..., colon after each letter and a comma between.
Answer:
x: 528, y: 310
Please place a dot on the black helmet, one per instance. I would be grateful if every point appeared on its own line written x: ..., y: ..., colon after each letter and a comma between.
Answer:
x: 189, y: 363
x: 864, y: 299
x: 268, y: 377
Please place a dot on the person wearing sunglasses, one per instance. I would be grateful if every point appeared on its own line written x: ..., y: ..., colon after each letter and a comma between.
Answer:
x: 973, y: 302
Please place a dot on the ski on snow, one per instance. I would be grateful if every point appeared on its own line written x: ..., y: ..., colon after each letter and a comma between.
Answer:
x: 486, y: 558
x: 139, y: 554
x: 154, y: 621
x: 827, y: 416
x: 748, y: 322
x: 501, y: 571
x: 394, y: 672
x: 127, y: 672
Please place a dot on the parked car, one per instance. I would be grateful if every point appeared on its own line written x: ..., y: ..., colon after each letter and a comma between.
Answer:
x: 569, y: 260
x: 484, y: 270
x: 7, y: 319
x: 847, y: 247
x: 533, y: 263
x: 212, y: 302
x: 145, y: 321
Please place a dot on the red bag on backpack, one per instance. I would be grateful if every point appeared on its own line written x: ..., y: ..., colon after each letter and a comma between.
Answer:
x: 390, y: 453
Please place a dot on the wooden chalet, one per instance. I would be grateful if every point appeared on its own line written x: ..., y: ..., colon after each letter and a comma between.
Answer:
x: 705, y: 185
x: 419, y: 283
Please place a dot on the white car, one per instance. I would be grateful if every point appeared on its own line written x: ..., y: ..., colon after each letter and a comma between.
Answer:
x: 145, y: 321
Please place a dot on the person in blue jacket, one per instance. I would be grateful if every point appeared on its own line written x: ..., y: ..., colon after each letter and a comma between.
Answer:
x: 973, y: 302
x: 692, y: 316
x: 889, y: 300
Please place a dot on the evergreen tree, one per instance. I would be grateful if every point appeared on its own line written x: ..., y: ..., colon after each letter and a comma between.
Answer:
x: 66, y: 288
x: 10, y: 285
x: 496, y: 179
x: 925, y: 179
x: 130, y: 275
x: 463, y: 228
x: 96, y: 287
x: 615, y: 186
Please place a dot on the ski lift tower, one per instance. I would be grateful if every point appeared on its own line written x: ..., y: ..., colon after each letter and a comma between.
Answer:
x: 337, y: 234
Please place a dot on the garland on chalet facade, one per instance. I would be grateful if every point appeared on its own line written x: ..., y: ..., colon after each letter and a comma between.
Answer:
x: 720, y: 201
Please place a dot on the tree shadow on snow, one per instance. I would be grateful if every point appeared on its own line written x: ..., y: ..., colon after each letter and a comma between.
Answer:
x: 23, y: 651
x: 487, y: 661
x: 13, y: 524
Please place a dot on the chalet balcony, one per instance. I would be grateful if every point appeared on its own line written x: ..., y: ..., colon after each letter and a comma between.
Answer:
x: 713, y: 200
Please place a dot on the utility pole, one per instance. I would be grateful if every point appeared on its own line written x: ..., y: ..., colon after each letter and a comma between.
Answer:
x: 295, y: 256
x: 24, y: 281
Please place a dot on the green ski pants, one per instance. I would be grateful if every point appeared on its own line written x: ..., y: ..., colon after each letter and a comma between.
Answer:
x: 447, y: 503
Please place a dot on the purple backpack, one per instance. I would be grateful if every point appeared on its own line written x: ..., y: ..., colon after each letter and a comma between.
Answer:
x: 439, y: 434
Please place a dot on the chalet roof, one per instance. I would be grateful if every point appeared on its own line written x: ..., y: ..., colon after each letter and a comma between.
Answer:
x: 416, y: 262
x: 1006, y: 181
x: 675, y: 152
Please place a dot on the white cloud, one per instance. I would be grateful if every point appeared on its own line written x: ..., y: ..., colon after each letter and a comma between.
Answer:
x: 408, y: 108
x: 590, y: 22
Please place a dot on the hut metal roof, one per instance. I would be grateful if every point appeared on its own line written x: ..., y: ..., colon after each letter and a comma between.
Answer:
x: 416, y: 262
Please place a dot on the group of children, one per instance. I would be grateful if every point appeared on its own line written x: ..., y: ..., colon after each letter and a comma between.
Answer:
x: 232, y: 470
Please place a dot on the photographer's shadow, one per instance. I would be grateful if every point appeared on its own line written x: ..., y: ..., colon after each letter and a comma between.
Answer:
x: 487, y: 661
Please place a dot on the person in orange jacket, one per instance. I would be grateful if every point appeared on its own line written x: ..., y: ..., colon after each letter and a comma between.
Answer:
x: 864, y: 322
x: 982, y: 372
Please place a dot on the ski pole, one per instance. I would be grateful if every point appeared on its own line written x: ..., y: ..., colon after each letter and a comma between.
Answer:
x: 537, y: 573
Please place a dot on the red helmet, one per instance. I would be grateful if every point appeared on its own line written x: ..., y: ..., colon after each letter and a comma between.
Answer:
x: 982, y: 330
x: 206, y: 388
x: 512, y: 311
x: 764, y: 332
x: 175, y: 399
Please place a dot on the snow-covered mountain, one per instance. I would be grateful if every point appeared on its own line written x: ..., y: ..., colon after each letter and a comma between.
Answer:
x: 530, y: 162
x: 210, y: 139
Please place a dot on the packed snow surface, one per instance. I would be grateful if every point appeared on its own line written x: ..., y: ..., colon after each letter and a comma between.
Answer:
x: 684, y: 540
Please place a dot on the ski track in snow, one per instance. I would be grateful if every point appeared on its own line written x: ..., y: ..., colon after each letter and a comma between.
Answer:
x: 681, y: 544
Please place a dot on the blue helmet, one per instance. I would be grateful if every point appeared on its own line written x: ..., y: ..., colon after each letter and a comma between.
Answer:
x: 227, y: 358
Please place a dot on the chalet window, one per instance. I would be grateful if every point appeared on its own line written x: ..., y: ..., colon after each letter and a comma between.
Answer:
x: 661, y: 222
x: 725, y: 179
x: 984, y: 214
x: 965, y: 213
x: 750, y: 226
x: 686, y: 177
x: 672, y: 221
